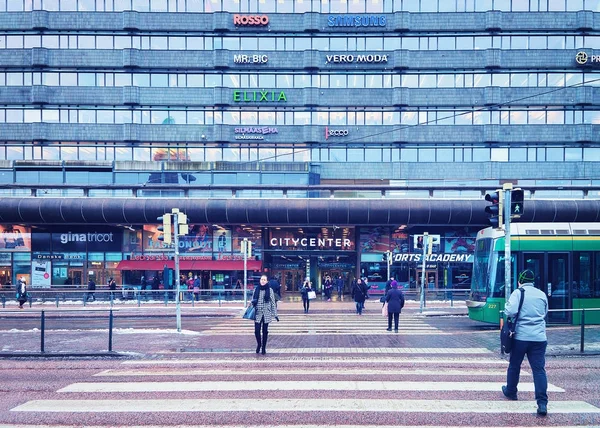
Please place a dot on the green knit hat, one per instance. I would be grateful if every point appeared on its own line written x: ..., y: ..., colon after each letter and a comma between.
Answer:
x: 526, y: 276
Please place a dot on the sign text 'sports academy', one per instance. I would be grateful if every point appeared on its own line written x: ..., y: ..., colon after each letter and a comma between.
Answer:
x: 356, y: 21
x: 248, y: 20
x: 345, y: 59
x: 250, y: 59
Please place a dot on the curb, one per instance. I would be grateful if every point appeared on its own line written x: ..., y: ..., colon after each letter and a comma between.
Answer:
x: 8, y: 355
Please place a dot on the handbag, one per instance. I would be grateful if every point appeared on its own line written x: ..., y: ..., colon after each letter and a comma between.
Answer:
x: 312, y: 295
x: 384, y: 309
x: 507, y: 333
x: 382, y: 299
x: 250, y: 313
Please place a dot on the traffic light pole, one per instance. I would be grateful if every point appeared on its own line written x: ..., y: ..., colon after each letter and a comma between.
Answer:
x: 177, y: 277
x: 423, y: 266
x: 245, y: 251
x: 507, y: 256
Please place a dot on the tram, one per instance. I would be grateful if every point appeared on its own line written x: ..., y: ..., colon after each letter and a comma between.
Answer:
x: 565, y: 258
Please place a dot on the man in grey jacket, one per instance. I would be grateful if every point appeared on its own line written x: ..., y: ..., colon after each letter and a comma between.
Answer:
x: 530, y: 339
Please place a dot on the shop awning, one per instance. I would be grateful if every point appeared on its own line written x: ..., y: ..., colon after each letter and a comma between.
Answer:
x: 189, y: 265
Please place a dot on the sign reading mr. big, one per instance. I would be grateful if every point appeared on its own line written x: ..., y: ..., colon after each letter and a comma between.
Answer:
x: 260, y: 20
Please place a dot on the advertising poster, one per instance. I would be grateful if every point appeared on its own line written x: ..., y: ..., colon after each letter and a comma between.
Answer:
x: 15, y: 238
x: 375, y: 240
x: 460, y: 242
x: 41, y: 274
x: 222, y: 240
x: 199, y: 240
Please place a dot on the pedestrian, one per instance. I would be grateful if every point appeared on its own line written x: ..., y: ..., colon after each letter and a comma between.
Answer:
x: 263, y: 300
x: 327, y: 287
x: 276, y: 287
x: 339, y: 284
x: 155, y: 286
x: 360, y: 292
x: 196, y: 288
x: 530, y: 339
x: 21, y: 292
x: 395, y: 301
x: 112, y: 286
x: 306, y: 288
x: 91, y: 288
x: 388, y: 285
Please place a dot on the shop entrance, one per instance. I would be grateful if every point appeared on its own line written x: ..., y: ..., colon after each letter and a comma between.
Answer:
x: 76, y: 276
x: 5, y: 276
x: 290, y: 279
x: 431, y: 279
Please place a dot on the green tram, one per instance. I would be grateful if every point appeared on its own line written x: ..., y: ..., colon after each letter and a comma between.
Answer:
x: 565, y: 258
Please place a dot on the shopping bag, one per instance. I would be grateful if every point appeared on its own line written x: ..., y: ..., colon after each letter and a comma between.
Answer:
x: 250, y: 313
x: 312, y: 295
x: 384, y: 309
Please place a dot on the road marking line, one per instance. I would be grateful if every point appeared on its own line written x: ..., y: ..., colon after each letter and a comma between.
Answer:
x: 316, y: 360
x: 313, y: 371
x: 299, y: 405
x: 309, y: 385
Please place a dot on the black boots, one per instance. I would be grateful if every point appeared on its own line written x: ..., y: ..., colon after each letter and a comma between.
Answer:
x: 264, y: 342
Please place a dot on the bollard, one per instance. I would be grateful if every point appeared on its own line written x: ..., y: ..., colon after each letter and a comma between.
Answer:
x: 30, y: 299
x: 110, y: 330
x: 56, y: 301
x: 581, y: 346
x: 3, y: 301
x: 451, y: 299
x: 84, y: 300
x: 139, y: 299
x: 43, y: 330
x: 166, y: 298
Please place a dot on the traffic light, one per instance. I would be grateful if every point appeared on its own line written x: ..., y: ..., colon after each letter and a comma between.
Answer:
x: 183, y: 227
x: 165, y: 228
x: 495, y: 210
x: 516, y: 203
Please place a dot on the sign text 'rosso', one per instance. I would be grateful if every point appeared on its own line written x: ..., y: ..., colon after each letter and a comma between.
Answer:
x: 250, y: 20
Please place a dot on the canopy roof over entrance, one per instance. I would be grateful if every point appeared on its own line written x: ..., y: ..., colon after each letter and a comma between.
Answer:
x: 284, y: 211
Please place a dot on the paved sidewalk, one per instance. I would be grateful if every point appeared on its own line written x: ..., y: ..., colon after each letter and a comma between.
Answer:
x: 208, y: 327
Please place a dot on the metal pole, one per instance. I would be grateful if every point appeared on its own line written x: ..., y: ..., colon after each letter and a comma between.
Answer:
x: 110, y: 330
x: 176, y: 241
x: 43, y: 330
x: 389, y: 262
x: 507, y: 275
x: 582, y: 342
x: 245, y: 250
x: 423, y: 266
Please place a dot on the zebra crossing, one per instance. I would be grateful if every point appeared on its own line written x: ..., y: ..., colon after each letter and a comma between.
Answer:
x: 349, y: 386
x: 323, y: 323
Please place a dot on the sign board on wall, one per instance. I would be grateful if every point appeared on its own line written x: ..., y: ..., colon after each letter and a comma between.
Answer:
x: 40, y: 273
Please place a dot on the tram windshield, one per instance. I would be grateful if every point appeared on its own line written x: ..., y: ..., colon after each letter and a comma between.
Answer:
x: 480, y: 281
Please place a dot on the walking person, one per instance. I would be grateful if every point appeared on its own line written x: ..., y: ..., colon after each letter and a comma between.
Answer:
x: 306, y: 288
x: 196, y: 288
x: 21, y: 292
x: 276, y: 287
x: 395, y: 300
x: 339, y: 285
x: 91, y: 289
x: 360, y: 292
x: 112, y: 286
x: 530, y: 339
x: 264, y: 301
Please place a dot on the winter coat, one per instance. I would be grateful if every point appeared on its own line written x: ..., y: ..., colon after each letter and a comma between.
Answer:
x: 21, y: 292
x: 91, y: 285
x: 304, y: 292
x: 267, y: 309
x: 395, y: 299
x: 360, y: 292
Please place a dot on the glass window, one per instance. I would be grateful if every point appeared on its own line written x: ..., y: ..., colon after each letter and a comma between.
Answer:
x: 573, y: 154
x: 500, y: 154
x: 481, y: 155
x: 14, y: 79
x: 266, y: 43
x: 408, y: 155
x: 591, y: 154
x: 484, y: 42
x: 158, y: 42
x: 141, y: 80
x: 554, y: 154
x: 159, y: 80
x: 68, y: 79
x: 446, y: 43
x: 426, y: 155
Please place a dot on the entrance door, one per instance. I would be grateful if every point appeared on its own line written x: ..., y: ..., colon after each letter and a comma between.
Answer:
x: 551, y: 272
x: 76, y: 276
x: 431, y: 279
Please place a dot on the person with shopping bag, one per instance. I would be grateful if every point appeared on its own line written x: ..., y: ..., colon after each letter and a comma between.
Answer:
x: 394, y: 299
x: 263, y: 299
x: 308, y: 294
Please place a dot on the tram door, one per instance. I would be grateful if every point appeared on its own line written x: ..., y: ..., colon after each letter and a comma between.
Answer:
x: 552, y: 277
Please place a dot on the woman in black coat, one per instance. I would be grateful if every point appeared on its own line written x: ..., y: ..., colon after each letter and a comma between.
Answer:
x: 359, y: 292
x: 304, y: 292
x: 395, y: 300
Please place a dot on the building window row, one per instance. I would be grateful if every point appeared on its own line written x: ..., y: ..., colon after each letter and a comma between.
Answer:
x: 299, y: 81
x: 390, y: 42
x: 90, y: 151
x: 301, y: 6
x: 477, y: 116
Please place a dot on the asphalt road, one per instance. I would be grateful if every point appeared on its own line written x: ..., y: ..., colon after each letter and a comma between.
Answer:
x: 330, y: 367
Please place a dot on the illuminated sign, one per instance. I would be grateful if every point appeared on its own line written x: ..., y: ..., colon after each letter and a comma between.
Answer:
x: 250, y: 20
x: 346, y: 59
x: 311, y: 242
x: 582, y: 58
x: 250, y: 59
x: 356, y: 21
x: 252, y: 133
x: 258, y: 96
x: 335, y: 133
x: 442, y: 257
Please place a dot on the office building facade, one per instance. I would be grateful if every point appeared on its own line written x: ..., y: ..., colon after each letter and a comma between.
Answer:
x: 327, y: 133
